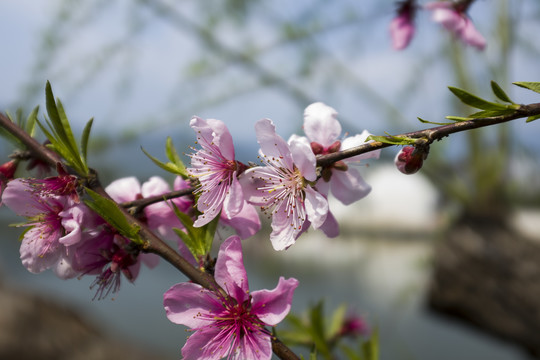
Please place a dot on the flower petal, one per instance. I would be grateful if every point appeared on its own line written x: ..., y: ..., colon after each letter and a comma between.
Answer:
x: 230, y: 273
x: 330, y: 227
x: 256, y: 345
x: 358, y: 140
x: 303, y: 158
x: 316, y: 207
x: 284, y: 234
x: 234, y: 199
x: 349, y: 186
x: 272, y: 145
x: 187, y: 303
x: 246, y: 223
x: 321, y: 124
x: 222, y: 138
x: 124, y: 189
x: 271, y: 306
x: 201, y: 345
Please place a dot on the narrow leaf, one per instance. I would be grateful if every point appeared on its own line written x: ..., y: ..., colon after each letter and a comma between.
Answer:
x: 169, y: 167
x: 475, y: 101
x: 84, y: 140
x: 532, y: 118
x: 458, y: 118
x: 30, y: 126
x: 338, y: 318
x: 432, y: 122
x: 110, y: 212
x: 534, y: 86
x: 499, y: 92
x: 394, y: 140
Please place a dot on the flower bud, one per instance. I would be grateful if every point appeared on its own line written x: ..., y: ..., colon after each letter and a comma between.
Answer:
x: 8, y: 169
x: 317, y: 148
x: 410, y: 159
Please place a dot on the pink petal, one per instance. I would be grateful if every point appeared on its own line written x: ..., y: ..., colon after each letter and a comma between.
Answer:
x: 283, y: 234
x: 316, y: 207
x: 304, y: 159
x: 222, y: 138
x: 349, y: 186
x: 201, y: 345
x: 321, y: 124
x: 20, y: 197
x: 357, y: 140
x: 234, y: 200
x: 251, y: 182
x: 330, y: 227
x: 230, y: 273
x: 256, y: 345
x: 471, y: 36
x: 124, y: 189
x: 246, y: 223
x: 40, y: 253
x: 185, y: 302
x: 272, y: 145
x: 271, y: 306
x: 401, y: 31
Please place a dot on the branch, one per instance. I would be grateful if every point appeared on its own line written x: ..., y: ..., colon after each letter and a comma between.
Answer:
x: 432, y: 134
x: 37, y: 150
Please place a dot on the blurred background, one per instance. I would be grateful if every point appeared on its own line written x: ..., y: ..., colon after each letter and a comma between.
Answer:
x: 445, y: 263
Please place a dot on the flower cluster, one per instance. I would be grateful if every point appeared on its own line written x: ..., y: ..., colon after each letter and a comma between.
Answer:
x: 452, y: 15
x: 66, y: 236
x: 63, y: 234
x: 288, y: 187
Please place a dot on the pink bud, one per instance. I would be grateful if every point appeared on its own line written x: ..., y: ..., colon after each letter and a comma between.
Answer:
x: 8, y: 169
x: 410, y: 159
x: 317, y: 148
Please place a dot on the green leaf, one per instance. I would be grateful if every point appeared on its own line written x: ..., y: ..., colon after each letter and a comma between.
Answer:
x: 112, y: 214
x: 351, y: 353
x: 458, y: 118
x: 534, y: 86
x: 317, y: 330
x: 198, y: 239
x: 30, y: 125
x: 173, y: 156
x: 499, y: 92
x: 432, y: 122
x: 370, y: 348
x: 336, y: 323
x: 59, y: 133
x: 84, y: 140
x: 169, y: 167
x: 475, y: 101
x: 491, y: 113
x: 394, y: 140
x: 532, y: 118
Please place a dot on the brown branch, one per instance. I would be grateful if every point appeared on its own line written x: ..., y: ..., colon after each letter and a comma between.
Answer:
x: 432, y: 134
x: 38, y: 150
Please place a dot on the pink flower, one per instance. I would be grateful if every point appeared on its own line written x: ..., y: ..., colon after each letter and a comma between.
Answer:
x: 455, y: 20
x: 283, y: 188
x: 109, y: 255
x: 323, y: 130
x: 231, y: 326
x: 215, y: 167
x: 55, y: 226
x: 402, y: 26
